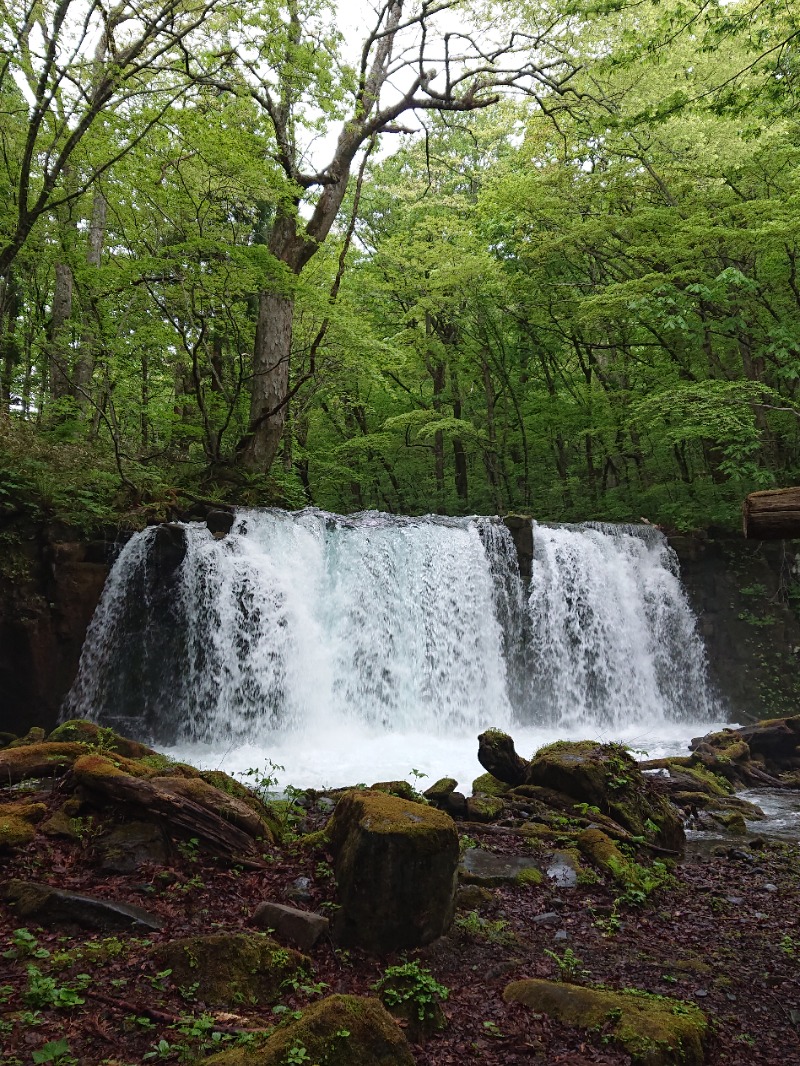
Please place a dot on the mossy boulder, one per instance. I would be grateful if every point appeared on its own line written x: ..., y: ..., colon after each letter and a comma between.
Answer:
x: 36, y: 735
x: 231, y: 969
x: 490, y: 785
x: 36, y: 761
x: 438, y: 792
x: 128, y: 846
x: 15, y: 832
x: 64, y: 822
x: 231, y: 787
x: 396, y: 866
x: 336, y: 1031
x: 653, y: 1030
x: 483, y: 808
x: 607, y: 777
x: 79, y: 731
x: 398, y: 788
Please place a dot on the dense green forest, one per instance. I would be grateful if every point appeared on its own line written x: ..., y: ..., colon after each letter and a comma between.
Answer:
x: 463, y: 257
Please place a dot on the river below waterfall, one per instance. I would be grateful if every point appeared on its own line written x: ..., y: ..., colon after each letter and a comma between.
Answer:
x: 357, y: 649
x: 338, y: 757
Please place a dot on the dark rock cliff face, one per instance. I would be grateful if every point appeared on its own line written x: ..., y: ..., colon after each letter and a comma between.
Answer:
x: 50, y: 584
x: 743, y: 592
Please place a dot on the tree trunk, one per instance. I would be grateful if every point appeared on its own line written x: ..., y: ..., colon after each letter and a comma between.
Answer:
x: 84, y: 365
x: 269, y: 396
x: 60, y: 385
x: 772, y: 515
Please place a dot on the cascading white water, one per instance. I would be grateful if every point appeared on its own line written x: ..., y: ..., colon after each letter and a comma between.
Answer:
x: 613, y: 635
x: 351, y: 648
x: 298, y: 621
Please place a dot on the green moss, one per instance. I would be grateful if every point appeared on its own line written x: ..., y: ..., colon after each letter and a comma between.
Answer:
x: 15, y: 832
x: 337, y: 1031
x: 35, y: 761
x: 708, y: 780
x: 388, y: 814
x: 531, y: 876
x: 36, y: 735
x: 481, y: 808
x: 600, y: 849
x: 490, y: 786
x: 79, y: 731
x: 653, y: 1030
x: 230, y: 968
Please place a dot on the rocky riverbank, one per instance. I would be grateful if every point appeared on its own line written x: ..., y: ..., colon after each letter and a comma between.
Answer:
x: 152, y: 912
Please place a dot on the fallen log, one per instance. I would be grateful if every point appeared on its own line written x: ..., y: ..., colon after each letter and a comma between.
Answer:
x: 772, y: 514
x: 103, y: 782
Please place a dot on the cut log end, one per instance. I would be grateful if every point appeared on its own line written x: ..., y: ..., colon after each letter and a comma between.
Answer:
x: 773, y: 514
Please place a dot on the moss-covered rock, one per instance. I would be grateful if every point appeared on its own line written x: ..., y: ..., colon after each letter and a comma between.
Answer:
x: 397, y: 788
x: 131, y: 845
x: 35, y: 761
x: 15, y: 832
x: 653, y: 1030
x: 79, y: 731
x: 231, y: 787
x: 36, y: 735
x: 483, y: 808
x: 607, y: 777
x: 64, y: 822
x: 440, y: 790
x: 489, y: 785
x: 230, y: 969
x: 395, y: 869
x: 337, y: 1031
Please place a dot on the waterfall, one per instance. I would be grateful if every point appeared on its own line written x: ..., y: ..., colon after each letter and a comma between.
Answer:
x: 309, y: 622
x: 613, y: 636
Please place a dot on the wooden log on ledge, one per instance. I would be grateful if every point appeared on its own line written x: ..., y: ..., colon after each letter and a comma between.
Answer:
x: 773, y: 514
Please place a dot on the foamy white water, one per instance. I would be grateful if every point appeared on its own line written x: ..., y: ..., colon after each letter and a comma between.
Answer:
x: 357, y: 756
x: 355, y: 649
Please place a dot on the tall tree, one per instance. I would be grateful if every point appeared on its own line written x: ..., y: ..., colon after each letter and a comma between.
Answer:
x: 409, y: 62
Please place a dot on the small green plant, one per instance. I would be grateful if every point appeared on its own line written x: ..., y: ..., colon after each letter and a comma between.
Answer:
x: 24, y: 945
x: 411, y: 985
x: 297, y: 1055
x: 263, y: 781
x: 586, y: 809
x: 162, y: 1050
x: 570, y: 967
x: 493, y: 1029
x: 159, y: 982
x: 640, y: 882
x: 56, y: 1052
x: 190, y: 849
x: 788, y: 946
x: 104, y: 742
x: 44, y: 992
x: 472, y: 924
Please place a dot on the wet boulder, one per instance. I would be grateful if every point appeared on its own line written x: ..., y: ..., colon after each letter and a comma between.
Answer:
x: 53, y: 906
x: 396, y: 865
x: 606, y: 777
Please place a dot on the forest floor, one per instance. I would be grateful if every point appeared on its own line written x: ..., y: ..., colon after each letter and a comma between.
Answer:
x: 722, y: 933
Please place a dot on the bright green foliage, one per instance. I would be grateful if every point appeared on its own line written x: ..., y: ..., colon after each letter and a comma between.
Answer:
x: 593, y: 312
